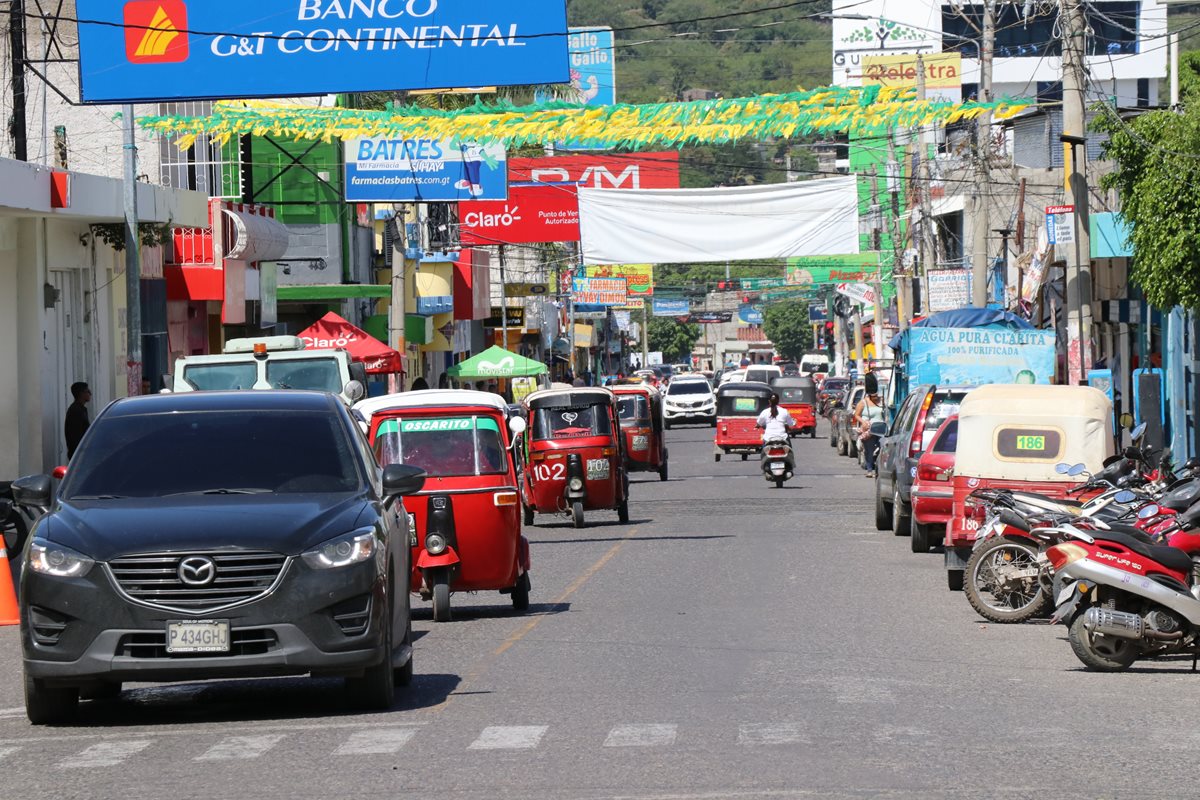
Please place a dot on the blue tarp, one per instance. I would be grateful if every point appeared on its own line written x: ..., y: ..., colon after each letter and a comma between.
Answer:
x: 969, y: 317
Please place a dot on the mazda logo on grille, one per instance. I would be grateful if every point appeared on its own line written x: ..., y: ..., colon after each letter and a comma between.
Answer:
x: 197, y: 570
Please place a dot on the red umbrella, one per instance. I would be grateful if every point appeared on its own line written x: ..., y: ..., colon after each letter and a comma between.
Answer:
x: 331, y: 331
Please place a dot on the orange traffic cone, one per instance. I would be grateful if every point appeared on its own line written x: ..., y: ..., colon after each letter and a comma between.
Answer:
x: 8, y: 593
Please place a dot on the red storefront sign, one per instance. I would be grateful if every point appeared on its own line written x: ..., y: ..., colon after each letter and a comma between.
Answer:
x: 531, y: 214
x: 633, y: 171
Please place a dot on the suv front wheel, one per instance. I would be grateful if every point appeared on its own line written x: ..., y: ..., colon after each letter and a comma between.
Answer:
x: 49, y: 706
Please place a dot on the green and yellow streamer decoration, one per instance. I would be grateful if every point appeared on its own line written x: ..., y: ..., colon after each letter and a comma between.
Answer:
x: 863, y: 111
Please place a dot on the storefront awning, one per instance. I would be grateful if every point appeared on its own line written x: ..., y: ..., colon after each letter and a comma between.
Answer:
x: 332, y: 331
x: 340, y: 291
x: 256, y: 237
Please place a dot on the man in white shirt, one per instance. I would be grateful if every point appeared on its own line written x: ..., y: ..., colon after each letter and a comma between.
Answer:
x: 775, y: 421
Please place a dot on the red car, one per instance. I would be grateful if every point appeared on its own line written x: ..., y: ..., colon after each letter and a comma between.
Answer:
x: 932, y: 492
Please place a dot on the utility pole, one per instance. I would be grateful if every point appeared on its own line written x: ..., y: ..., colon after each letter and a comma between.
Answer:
x: 396, y: 317
x: 16, y: 51
x: 928, y: 227
x: 896, y: 175
x: 503, y: 302
x: 877, y: 243
x: 133, y: 258
x: 983, y: 137
x: 1079, y: 278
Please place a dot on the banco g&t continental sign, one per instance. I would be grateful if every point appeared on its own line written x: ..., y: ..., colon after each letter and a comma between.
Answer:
x: 163, y: 50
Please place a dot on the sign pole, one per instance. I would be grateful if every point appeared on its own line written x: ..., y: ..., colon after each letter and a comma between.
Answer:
x: 133, y: 256
x: 503, y: 302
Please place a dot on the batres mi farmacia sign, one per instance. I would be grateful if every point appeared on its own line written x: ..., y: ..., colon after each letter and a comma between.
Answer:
x: 147, y: 50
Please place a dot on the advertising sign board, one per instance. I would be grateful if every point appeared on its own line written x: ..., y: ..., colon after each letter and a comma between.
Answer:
x: 533, y: 213
x: 710, y: 317
x: 750, y: 314
x: 593, y: 68
x: 818, y: 313
x: 424, y: 170
x: 670, y: 308
x: 633, y: 171
x: 527, y: 289
x: 638, y: 277
x: 600, y: 291
x: 1060, y: 224
x: 850, y: 268
x: 515, y: 317
x: 948, y: 289
x: 157, y: 50
x: 975, y: 356
x: 943, y: 74
x: 858, y: 292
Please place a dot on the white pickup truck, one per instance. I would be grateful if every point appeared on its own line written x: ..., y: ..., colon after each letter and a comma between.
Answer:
x: 272, y: 362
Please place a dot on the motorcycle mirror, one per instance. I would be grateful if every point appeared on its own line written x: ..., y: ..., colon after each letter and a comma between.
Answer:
x: 1077, y: 470
x: 1062, y: 469
x: 517, y: 425
x: 1148, y: 511
x: 1126, y: 421
x: 1138, y: 432
x: 1191, y: 463
x: 1125, y: 497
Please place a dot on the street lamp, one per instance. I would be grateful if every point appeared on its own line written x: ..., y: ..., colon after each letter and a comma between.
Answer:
x: 1076, y: 141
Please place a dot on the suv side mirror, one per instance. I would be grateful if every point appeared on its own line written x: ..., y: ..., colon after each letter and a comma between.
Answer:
x: 32, y: 491
x: 400, y: 480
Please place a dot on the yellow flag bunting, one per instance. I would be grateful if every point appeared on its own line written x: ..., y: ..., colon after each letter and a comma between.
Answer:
x: 862, y: 111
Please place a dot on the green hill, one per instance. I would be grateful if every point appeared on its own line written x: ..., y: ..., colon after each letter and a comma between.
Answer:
x: 736, y: 56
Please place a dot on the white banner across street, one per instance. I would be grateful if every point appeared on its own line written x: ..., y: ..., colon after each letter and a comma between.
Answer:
x: 673, y: 226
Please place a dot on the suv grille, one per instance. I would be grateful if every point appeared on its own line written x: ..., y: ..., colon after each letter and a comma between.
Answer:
x: 240, y: 576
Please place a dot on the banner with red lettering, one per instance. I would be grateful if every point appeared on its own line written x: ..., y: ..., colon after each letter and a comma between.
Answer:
x: 632, y: 171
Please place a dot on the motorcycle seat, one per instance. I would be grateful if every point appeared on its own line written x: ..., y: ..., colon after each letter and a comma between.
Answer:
x: 1169, y: 557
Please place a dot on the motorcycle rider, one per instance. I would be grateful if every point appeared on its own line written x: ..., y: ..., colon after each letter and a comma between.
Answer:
x: 775, y: 421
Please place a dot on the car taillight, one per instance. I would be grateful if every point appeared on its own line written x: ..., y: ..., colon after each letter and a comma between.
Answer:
x: 929, y: 472
x: 918, y: 434
x: 1067, y: 553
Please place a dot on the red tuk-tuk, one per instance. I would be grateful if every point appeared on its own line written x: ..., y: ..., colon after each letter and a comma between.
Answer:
x: 467, y: 516
x: 639, y: 408
x: 798, y: 396
x: 576, y: 454
x: 738, y: 407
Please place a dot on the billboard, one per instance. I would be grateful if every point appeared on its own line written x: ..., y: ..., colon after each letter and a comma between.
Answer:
x: 532, y: 214
x: 593, y: 69
x: 381, y: 170
x: 670, y: 308
x: 150, y: 50
x: 816, y: 270
x: 943, y: 74
x: 633, y: 171
x: 975, y: 356
x: 948, y: 289
x: 750, y: 314
x: 600, y: 291
x: 639, y: 277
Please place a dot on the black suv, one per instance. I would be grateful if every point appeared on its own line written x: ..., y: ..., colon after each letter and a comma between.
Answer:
x: 917, y: 420
x: 217, y: 535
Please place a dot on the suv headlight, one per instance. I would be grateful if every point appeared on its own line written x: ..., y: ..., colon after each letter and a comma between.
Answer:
x: 343, y: 551
x: 54, y: 559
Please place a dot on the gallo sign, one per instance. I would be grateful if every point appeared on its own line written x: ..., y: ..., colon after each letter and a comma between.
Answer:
x: 532, y: 214
x: 151, y: 50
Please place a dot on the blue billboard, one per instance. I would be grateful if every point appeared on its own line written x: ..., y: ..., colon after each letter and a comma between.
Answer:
x: 662, y: 307
x: 750, y: 314
x: 150, y: 50
x: 975, y: 356
x: 424, y: 170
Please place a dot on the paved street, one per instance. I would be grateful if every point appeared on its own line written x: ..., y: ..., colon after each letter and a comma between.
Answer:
x: 734, y: 640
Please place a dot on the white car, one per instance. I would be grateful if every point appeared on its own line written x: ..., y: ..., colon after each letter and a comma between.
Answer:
x: 733, y: 376
x: 690, y: 399
x: 763, y: 373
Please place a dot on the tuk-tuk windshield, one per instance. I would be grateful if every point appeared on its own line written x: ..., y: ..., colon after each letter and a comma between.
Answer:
x: 633, y: 408
x: 739, y: 405
x: 571, y: 423
x: 795, y: 396
x: 443, y: 446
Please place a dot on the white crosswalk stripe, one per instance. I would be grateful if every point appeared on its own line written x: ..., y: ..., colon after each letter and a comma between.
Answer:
x: 641, y: 736
x: 383, y: 741
x: 509, y: 737
x: 241, y: 747
x: 768, y: 733
x: 105, y: 754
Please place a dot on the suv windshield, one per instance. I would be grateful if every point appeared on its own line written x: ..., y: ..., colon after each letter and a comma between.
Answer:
x: 689, y: 387
x: 443, y: 446
x: 318, y: 375
x: 192, y: 452
x: 221, y: 377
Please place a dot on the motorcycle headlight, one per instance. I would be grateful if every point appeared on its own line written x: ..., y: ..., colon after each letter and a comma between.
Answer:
x: 435, y: 543
x: 575, y: 484
x: 343, y: 551
x: 54, y: 559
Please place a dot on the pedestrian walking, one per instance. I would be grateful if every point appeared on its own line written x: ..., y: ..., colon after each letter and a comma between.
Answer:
x: 77, y: 420
x: 869, y: 410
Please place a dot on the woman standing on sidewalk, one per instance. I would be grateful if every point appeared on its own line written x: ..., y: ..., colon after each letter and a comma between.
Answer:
x: 868, y: 411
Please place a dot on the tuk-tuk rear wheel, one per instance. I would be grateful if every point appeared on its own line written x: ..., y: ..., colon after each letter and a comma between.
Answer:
x: 623, y: 511
x: 716, y: 456
x: 577, y: 514
x: 779, y: 483
x: 526, y: 514
x: 662, y: 471
x: 520, y: 593
x: 744, y: 456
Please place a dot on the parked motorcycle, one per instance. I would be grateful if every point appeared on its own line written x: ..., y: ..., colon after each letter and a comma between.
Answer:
x: 778, y: 461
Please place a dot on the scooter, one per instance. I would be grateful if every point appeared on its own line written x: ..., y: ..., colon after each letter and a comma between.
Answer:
x: 1123, y: 599
x: 778, y: 461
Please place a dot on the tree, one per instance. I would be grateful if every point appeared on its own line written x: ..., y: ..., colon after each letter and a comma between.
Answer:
x: 1157, y: 175
x: 788, y: 328
x: 673, y: 338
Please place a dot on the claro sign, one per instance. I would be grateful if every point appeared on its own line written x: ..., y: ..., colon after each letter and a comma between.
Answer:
x: 635, y: 171
x: 150, y: 50
x: 533, y: 213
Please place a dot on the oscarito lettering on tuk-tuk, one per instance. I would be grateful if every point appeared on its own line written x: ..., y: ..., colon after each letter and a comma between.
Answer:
x: 423, y: 425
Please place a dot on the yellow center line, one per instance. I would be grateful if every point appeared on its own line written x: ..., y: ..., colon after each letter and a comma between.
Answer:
x: 526, y: 629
